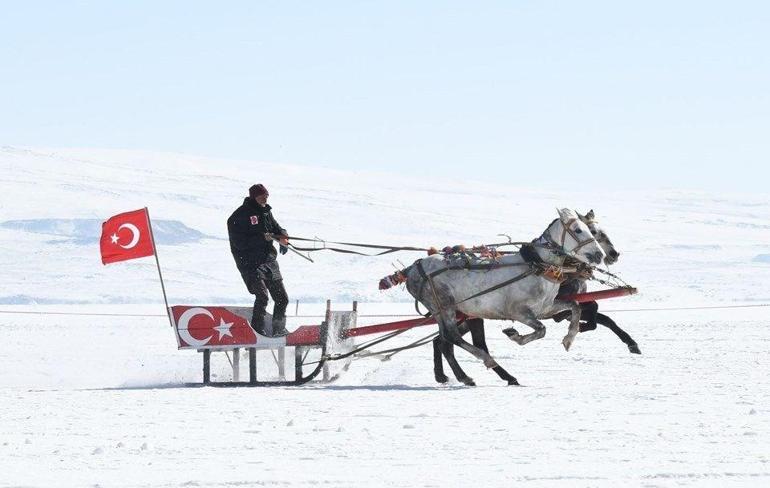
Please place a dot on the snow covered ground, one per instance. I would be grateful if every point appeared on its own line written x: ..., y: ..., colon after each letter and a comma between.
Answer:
x: 97, y: 400
x: 91, y: 402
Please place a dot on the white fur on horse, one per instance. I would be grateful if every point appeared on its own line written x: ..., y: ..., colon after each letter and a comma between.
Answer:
x: 527, y: 300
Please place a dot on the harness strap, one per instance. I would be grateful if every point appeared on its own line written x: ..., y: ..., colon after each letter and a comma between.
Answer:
x: 429, y: 277
x: 419, y: 292
x: 417, y: 308
x: 337, y: 357
x: 566, y: 230
x: 523, y: 275
x: 473, y: 267
x: 389, y: 353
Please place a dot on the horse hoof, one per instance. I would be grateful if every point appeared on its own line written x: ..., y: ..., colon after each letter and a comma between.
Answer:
x: 567, y: 343
x: 511, y: 332
x: 634, y: 349
x: 441, y: 378
x: 513, y: 382
x: 513, y: 335
x: 468, y: 381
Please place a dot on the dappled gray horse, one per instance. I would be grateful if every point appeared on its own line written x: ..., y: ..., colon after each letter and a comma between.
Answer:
x: 590, y: 316
x: 508, y: 289
x: 590, y: 310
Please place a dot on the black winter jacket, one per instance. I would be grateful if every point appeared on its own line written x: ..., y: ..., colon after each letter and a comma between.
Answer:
x: 254, y: 255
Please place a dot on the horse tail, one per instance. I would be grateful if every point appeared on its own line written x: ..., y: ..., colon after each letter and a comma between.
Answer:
x: 400, y: 276
x: 395, y: 279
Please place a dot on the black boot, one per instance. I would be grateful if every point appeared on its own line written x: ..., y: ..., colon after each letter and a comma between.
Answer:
x: 279, y: 327
x: 258, y: 324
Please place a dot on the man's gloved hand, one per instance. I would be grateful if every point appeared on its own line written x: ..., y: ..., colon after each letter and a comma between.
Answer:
x: 283, y: 249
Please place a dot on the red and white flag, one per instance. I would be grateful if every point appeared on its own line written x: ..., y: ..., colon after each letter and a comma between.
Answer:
x: 126, y: 236
x: 211, y: 326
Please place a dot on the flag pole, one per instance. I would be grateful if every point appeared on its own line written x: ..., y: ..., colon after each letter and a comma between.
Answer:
x: 160, y: 275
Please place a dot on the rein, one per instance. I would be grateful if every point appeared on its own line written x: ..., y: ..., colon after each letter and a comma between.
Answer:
x: 386, y: 249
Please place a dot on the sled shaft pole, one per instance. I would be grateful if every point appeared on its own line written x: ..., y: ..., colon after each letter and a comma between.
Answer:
x: 389, y: 327
x: 599, y: 295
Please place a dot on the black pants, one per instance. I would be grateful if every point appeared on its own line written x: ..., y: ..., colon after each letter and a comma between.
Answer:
x: 260, y: 289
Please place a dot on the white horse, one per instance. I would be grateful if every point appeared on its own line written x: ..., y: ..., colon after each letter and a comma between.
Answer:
x: 590, y: 310
x: 507, y: 290
x: 611, y: 254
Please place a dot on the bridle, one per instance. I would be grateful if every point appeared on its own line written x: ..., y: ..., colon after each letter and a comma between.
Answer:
x: 566, y: 230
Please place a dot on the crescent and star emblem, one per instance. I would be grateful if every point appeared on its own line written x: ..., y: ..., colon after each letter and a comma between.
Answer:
x: 135, y: 234
x: 184, y: 322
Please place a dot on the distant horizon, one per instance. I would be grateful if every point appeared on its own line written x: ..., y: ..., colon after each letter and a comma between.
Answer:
x: 760, y: 191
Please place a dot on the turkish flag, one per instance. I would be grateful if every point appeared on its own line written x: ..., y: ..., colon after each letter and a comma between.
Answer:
x: 211, y: 326
x: 126, y: 236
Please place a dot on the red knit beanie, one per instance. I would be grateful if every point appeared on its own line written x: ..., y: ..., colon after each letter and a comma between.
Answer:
x: 258, y: 190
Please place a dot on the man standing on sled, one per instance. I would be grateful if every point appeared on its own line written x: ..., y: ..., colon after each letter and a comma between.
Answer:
x: 251, y: 229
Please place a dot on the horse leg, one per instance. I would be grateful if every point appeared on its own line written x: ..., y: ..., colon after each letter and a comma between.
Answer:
x: 447, y: 347
x: 622, y: 335
x: 528, y: 318
x: 538, y: 332
x: 453, y: 335
x: 588, y: 312
x: 480, y: 341
x: 574, y: 324
x: 438, y: 363
x: 448, y: 329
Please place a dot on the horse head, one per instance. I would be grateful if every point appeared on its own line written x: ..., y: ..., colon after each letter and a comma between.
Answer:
x: 611, y: 254
x: 573, y: 238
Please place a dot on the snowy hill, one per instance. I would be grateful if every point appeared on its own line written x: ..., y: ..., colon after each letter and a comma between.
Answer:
x: 86, y: 232
x: 677, y: 246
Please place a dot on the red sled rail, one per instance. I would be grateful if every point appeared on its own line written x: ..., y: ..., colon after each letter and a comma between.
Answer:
x: 411, y: 323
x: 391, y: 326
x: 601, y: 294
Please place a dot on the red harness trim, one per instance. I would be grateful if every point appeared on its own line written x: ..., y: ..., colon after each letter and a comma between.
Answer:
x: 599, y: 295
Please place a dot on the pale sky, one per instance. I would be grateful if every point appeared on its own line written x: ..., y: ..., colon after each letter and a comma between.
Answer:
x: 644, y: 94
